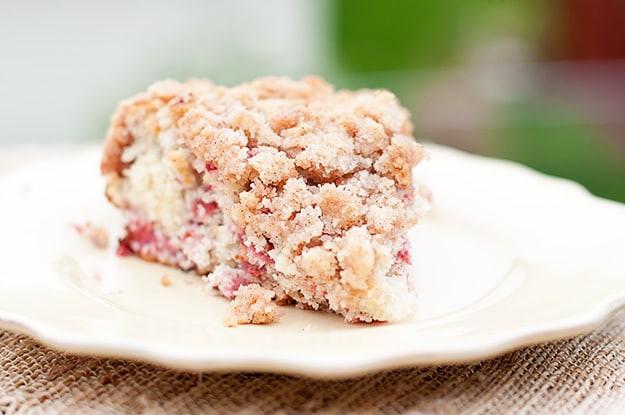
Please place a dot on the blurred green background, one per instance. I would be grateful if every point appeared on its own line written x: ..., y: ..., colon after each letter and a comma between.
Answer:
x: 539, y: 82
x: 542, y: 83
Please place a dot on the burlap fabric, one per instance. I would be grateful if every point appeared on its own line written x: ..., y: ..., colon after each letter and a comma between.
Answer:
x: 582, y: 375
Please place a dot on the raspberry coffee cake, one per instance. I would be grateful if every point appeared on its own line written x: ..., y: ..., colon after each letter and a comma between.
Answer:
x: 290, y: 185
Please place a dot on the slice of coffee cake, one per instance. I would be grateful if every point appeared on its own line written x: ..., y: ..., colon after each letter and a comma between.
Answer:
x: 291, y: 185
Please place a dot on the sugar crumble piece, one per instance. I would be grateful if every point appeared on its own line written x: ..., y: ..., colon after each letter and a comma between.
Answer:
x: 251, y: 305
x: 165, y: 281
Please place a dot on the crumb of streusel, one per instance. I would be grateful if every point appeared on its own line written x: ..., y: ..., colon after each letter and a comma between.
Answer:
x: 165, y: 281
x: 252, y: 304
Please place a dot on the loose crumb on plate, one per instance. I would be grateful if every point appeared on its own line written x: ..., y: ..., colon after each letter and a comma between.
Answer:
x: 97, y: 235
x: 251, y: 305
x: 165, y: 281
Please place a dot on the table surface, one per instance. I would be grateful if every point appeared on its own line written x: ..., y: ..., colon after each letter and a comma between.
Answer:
x: 584, y: 375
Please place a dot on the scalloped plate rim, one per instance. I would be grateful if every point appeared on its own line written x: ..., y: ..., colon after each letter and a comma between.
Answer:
x: 580, y: 323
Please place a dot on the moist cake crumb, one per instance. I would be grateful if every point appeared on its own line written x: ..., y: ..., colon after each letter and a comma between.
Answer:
x: 251, y: 305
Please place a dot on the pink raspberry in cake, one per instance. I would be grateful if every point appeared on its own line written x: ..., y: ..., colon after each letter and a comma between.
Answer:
x: 291, y: 185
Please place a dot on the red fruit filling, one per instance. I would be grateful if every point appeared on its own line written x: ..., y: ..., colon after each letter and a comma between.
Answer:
x: 123, y: 249
x: 404, y: 253
x: 140, y: 234
x: 262, y: 256
x: 202, y: 209
x: 247, y: 274
x: 251, y: 269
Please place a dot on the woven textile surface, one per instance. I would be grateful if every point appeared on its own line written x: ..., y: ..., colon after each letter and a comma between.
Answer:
x: 582, y: 375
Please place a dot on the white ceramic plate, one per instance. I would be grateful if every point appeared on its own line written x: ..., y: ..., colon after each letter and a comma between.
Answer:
x: 506, y: 258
